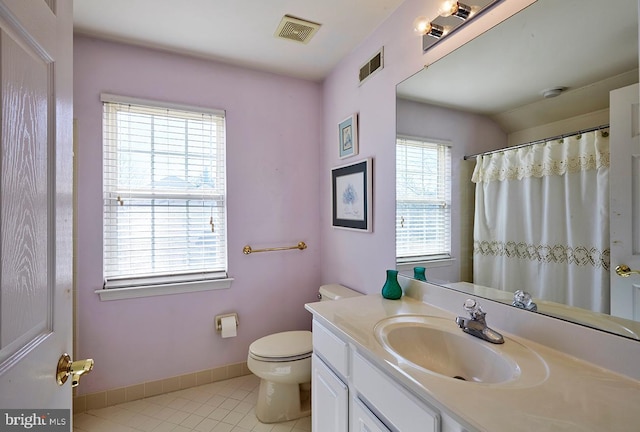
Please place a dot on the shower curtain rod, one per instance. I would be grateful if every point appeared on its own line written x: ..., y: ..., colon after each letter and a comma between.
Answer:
x: 604, y: 126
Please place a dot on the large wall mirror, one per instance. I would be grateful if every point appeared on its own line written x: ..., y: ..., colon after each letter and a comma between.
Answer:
x: 490, y: 95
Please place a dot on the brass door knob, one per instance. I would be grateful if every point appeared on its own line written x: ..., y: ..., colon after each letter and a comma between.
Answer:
x: 74, y: 369
x: 624, y: 271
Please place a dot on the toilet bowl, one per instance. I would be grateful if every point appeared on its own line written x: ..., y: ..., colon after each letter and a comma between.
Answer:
x: 282, y: 361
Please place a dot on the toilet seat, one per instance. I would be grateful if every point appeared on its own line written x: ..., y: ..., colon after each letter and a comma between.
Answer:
x: 282, y: 347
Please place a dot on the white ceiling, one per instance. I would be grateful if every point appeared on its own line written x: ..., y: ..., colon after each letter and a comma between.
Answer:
x: 239, y: 32
x: 578, y: 44
x: 582, y: 45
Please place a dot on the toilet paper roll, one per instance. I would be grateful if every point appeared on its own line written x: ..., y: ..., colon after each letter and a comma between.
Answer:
x: 229, y: 327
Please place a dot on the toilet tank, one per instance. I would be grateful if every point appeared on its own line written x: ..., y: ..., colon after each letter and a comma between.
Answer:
x: 336, y: 292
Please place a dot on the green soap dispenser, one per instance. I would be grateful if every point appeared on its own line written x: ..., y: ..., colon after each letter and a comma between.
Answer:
x: 391, y: 288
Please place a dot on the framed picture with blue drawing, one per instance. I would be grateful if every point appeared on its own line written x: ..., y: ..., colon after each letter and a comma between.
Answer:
x: 348, y: 136
x: 351, y: 187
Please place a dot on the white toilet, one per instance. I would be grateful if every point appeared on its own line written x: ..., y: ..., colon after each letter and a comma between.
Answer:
x: 283, y: 363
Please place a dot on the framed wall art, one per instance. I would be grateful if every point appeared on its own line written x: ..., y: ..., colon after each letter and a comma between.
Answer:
x: 348, y: 136
x: 351, y: 187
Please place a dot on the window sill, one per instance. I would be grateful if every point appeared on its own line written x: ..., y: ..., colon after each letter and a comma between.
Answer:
x: 165, y: 289
x: 409, y: 265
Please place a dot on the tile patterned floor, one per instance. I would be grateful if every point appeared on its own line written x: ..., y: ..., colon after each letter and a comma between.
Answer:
x: 224, y: 406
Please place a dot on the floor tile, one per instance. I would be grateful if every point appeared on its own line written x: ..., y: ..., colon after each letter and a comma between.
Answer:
x: 224, y: 406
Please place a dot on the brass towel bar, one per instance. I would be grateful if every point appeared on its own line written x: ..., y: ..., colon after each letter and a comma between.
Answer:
x: 247, y: 249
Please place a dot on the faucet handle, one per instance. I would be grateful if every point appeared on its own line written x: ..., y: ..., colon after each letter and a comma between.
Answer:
x: 470, y: 305
x: 474, y: 309
x: 523, y: 300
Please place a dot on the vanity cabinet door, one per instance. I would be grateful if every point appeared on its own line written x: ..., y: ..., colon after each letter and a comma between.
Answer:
x: 329, y: 399
x: 363, y: 420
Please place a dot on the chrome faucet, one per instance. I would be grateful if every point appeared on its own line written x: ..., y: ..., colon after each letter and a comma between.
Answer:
x: 522, y: 300
x: 477, y: 325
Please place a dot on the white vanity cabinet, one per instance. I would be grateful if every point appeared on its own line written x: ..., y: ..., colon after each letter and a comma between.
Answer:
x: 350, y: 393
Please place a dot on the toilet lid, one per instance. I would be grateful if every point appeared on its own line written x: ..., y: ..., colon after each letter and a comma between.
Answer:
x: 282, y: 345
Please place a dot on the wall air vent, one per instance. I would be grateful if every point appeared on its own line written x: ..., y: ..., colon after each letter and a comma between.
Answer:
x: 374, y: 64
x: 296, y: 29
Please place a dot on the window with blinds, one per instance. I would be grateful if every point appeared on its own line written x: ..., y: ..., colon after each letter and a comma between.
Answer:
x: 423, y: 200
x: 164, y: 193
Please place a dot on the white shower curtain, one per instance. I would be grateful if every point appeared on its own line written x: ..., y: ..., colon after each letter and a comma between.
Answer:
x: 542, y: 220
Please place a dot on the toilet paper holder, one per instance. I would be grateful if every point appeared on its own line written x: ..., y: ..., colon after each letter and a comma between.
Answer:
x: 219, y: 320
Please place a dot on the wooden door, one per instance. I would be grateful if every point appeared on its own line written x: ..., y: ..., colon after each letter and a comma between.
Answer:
x: 36, y: 43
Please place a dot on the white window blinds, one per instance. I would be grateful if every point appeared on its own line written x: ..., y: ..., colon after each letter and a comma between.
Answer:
x: 423, y: 200
x: 164, y: 193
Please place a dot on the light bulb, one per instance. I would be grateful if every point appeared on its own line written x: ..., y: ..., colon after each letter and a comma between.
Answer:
x: 448, y: 8
x: 458, y: 10
x: 421, y: 25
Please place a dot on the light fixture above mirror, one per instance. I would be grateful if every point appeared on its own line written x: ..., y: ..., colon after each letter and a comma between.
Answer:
x: 456, y: 9
x: 452, y: 15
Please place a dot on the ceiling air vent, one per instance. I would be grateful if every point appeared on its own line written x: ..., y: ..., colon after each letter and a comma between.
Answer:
x: 373, y: 65
x: 296, y: 29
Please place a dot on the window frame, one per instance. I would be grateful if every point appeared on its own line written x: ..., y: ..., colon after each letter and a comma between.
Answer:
x: 136, y: 285
x: 441, y: 258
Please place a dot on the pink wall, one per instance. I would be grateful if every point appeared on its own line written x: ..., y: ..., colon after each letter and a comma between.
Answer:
x: 273, y: 146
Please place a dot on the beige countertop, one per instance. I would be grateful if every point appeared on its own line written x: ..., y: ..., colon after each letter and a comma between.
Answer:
x: 567, y: 394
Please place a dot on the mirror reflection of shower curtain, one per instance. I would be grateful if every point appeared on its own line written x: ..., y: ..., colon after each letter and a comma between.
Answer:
x: 542, y: 221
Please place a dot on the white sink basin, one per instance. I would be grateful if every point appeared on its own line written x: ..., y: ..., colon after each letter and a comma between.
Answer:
x: 438, y: 346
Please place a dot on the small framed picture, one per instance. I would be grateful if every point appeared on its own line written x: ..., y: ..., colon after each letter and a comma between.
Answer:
x: 348, y: 136
x: 351, y: 187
